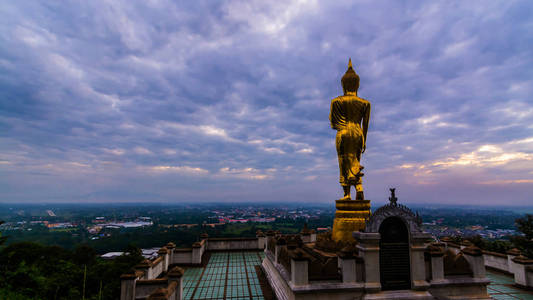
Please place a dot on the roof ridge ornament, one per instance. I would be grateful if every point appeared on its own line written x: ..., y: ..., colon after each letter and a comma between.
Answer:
x: 392, y: 197
x: 394, y: 209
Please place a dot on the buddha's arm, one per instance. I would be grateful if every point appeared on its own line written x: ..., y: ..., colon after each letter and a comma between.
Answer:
x: 335, y: 115
x: 366, y: 119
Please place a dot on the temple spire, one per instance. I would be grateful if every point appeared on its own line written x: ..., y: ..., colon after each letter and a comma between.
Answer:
x: 350, y: 63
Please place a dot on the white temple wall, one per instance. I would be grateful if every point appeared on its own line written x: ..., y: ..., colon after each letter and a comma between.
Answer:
x: 229, y: 244
x: 495, y: 261
x: 182, y: 257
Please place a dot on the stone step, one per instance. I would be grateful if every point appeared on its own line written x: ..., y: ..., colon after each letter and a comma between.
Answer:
x: 400, y: 295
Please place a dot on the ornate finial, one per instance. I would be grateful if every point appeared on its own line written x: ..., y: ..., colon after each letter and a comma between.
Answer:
x: 418, y: 219
x: 392, y: 197
x: 350, y: 63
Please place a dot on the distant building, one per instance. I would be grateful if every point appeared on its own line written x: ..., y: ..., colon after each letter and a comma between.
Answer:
x: 128, y: 224
x: 263, y: 220
x: 111, y: 255
x: 238, y: 220
x: 60, y: 225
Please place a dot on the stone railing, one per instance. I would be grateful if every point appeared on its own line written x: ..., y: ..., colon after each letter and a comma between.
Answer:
x: 448, y: 268
x: 294, y: 268
x: 497, y: 261
x: 182, y: 256
x: 287, y: 256
x: 447, y: 262
x: 193, y: 255
x: 148, y: 281
x: 523, y: 271
x: 134, y: 286
x: 190, y: 256
x: 512, y: 263
x: 520, y: 267
x: 151, y: 269
x: 224, y: 244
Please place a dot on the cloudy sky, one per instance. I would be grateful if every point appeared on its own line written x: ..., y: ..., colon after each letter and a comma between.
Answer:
x: 189, y: 101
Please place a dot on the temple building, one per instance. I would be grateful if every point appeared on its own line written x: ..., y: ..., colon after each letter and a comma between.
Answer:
x: 380, y: 254
x: 392, y: 258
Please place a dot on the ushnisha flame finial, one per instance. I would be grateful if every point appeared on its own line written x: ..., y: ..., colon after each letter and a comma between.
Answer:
x: 350, y: 80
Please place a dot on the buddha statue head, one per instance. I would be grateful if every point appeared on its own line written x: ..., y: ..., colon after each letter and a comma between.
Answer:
x: 350, y: 80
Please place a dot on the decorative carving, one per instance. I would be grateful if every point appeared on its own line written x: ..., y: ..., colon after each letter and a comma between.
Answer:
x: 392, y: 197
x: 514, y: 252
x: 284, y: 258
x: 325, y: 242
x: 472, y: 251
x: 347, y: 252
x: 435, y: 249
x: 294, y: 241
x: 271, y: 244
x: 520, y: 259
x: 393, y: 209
x: 324, y: 269
x: 321, y: 266
x: 176, y: 272
x: 456, y: 264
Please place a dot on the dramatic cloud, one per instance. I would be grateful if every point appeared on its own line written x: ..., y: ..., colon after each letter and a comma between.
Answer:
x: 229, y: 101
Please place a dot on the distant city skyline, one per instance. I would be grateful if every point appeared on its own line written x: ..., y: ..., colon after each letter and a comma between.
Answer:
x: 228, y: 101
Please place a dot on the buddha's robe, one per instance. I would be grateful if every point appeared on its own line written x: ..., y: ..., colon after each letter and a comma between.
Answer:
x: 346, y: 115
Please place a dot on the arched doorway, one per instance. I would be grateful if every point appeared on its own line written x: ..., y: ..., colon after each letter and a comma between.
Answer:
x: 394, y: 262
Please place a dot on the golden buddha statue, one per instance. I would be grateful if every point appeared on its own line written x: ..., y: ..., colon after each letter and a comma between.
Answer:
x: 349, y: 115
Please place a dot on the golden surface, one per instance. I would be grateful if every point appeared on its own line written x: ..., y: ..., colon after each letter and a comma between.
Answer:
x: 350, y: 216
x: 349, y: 115
x: 352, y: 205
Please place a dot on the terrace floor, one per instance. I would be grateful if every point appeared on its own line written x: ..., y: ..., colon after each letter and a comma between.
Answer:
x: 234, y: 276
x: 502, y: 287
x: 227, y: 275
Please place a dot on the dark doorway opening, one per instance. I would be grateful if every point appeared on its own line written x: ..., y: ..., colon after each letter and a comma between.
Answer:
x: 394, y: 262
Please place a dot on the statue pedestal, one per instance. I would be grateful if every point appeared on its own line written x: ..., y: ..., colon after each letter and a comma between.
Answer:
x: 350, y: 216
